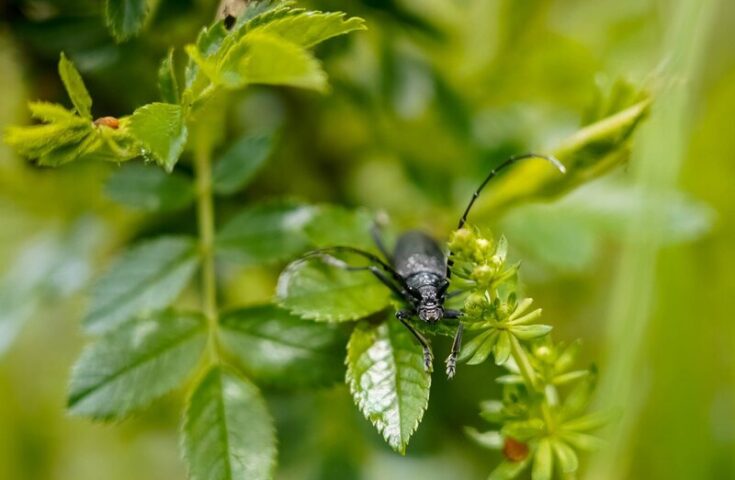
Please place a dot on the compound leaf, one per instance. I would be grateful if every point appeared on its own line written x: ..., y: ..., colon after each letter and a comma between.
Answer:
x: 167, y: 83
x: 228, y: 433
x: 161, y: 131
x: 150, y: 189
x: 334, y: 225
x: 75, y: 87
x: 259, y: 58
x: 312, y: 289
x: 278, y: 348
x: 129, y: 367
x: 240, y: 163
x: 264, y: 234
x: 385, y: 372
x: 125, y: 18
x: 307, y: 28
x: 146, y: 278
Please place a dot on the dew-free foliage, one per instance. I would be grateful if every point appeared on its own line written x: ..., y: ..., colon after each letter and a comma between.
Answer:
x: 276, y: 347
x: 125, y: 18
x: 148, y: 188
x: 75, y: 87
x: 127, y: 368
x: 147, y: 278
x: 228, y: 432
x: 385, y: 372
x: 264, y: 233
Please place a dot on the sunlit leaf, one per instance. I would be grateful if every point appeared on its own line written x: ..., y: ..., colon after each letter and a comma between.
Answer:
x: 508, y: 470
x: 228, y: 433
x: 308, y: 28
x: 490, y: 439
x: 565, y: 456
x: 543, y: 461
x: 150, y: 189
x: 312, y: 289
x: 260, y: 58
x: 129, y: 367
x: 75, y: 87
x: 168, y: 86
x: 278, y: 348
x: 264, y: 234
x: 385, y: 371
x: 146, y: 278
x: 530, y: 332
x: 161, y: 131
x: 125, y: 18
x: 240, y: 163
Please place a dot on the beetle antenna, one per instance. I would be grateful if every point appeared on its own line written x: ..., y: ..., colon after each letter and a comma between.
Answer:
x: 369, y: 256
x: 552, y: 160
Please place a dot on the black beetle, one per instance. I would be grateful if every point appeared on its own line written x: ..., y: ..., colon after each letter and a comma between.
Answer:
x: 419, y: 272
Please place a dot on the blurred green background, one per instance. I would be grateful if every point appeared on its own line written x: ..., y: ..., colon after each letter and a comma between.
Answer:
x: 638, y: 263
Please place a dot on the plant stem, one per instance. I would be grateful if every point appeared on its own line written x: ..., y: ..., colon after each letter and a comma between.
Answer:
x: 205, y: 220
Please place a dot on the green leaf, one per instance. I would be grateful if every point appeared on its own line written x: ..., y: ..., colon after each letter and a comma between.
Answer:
x: 161, y: 131
x: 263, y: 234
x: 334, y: 225
x: 582, y: 441
x: 130, y: 367
x: 239, y: 164
x: 491, y: 439
x: 75, y: 87
x: 167, y: 83
x: 278, y: 348
x: 566, y: 457
x: 150, y: 189
x: 51, y: 112
x: 591, y: 421
x: 529, y: 332
x: 479, y: 348
x: 508, y: 470
x: 502, y: 348
x: 523, y: 430
x: 312, y: 289
x: 589, y: 153
x: 46, y: 143
x: 543, y: 462
x: 266, y: 59
x: 228, y: 433
x: 385, y: 371
x: 125, y: 18
x: 148, y: 277
x: 308, y: 28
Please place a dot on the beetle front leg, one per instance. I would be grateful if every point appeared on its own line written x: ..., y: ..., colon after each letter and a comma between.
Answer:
x: 456, y: 347
x: 403, y: 316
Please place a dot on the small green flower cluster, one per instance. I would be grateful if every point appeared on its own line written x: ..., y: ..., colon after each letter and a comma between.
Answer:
x: 541, y: 418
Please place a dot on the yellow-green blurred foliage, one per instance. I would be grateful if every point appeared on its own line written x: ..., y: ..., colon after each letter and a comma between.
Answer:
x: 639, y: 263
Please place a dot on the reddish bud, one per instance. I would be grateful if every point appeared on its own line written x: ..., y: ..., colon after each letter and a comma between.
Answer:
x: 110, y: 122
x: 514, y: 450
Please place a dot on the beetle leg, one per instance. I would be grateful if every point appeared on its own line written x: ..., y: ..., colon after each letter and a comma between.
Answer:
x: 403, y: 316
x: 384, y: 279
x: 456, y: 347
x: 452, y: 313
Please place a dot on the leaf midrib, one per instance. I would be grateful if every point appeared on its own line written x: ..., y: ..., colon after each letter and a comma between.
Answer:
x: 125, y: 297
x: 140, y: 361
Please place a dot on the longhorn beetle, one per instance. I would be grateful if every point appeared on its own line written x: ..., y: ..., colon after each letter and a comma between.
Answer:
x: 418, y: 272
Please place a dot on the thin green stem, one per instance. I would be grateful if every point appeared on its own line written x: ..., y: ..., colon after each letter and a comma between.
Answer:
x: 205, y: 220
